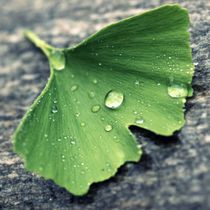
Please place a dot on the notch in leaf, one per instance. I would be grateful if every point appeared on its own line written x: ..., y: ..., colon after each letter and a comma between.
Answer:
x: 135, y: 72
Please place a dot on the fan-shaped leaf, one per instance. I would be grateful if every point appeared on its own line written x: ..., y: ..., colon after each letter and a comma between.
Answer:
x: 134, y: 72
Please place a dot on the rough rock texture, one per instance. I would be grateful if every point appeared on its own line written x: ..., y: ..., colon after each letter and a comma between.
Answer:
x: 174, y: 172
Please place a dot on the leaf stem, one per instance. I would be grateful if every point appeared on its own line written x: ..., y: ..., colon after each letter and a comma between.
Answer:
x: 46, y: 48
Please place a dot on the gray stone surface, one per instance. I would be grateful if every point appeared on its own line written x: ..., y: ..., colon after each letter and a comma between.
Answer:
x: 174, y: 172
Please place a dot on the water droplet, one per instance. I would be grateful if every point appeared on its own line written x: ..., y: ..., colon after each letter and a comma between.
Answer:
x: 135, y: 112
x: 137, y: 82
x: 158, y: 84
x: 45, y: 135
x: 114, y: 99
x: 116, y: 139
x: 63, y: 158
x: 83, y: 124
x: 100, y: 64
x: 55, y: 101
x: 72, y: 142
x: 77, y: 114
x: 108, y: 128
x: 95, y: 81
x: 59, y: 139
x: 91, y: 94
x: 57, y: 59
x: 95, y: 108
x: 139, y: 146
x: 54, y: 109
x: 177, y: 90
x: 74, y: 88
x: 139, y: 120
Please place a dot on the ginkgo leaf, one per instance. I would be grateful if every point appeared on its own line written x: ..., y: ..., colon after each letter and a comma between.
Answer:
x: 134, y: 72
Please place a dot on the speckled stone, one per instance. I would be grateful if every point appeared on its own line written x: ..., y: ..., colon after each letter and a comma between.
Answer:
x: 174, y: 172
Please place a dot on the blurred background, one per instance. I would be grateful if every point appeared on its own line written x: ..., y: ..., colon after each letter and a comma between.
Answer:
x: 174, y: 172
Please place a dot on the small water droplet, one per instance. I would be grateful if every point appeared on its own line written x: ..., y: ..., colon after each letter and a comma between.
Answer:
x: 114, y: 99
x: 57, y: 59
x: 95, y: 108
x: 91, y: 94
x: 72, y: 142
x: 74, y: 88
x: 135, y: 112
x: 139, y: 146
x: 100, y: 64
x: 95, y: 81
x: 45, y: 135
x: 83, y: 124
x: 116, y: 139
x: 63, y: 158
x: 139, y: 120
x: 54, y: 109
x: 108, y: 128
x: 177, y: 90
x: 59, y: 139
x: 137, y: 82
x: 77, y: 114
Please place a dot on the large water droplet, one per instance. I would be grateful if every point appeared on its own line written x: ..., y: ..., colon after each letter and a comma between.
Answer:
x: 177, y: 90
x: 95, y: 108
x: 57, y: 60
x: 108, y: 128
x: 114, y: 99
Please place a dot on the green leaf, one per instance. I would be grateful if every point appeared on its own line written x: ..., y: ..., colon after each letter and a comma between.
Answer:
x: 134, y: 72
